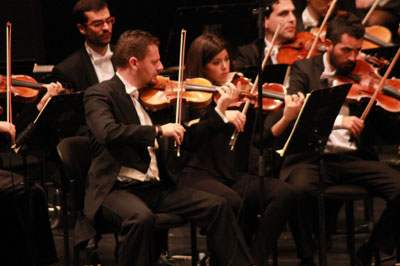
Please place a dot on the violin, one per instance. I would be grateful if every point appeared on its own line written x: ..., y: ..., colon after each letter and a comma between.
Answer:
x: 298, y: 48
x: 365, y: 80
x: 376, y: 36
x: 196, y: 94
x: 272, y: 95
x: 24, y: 88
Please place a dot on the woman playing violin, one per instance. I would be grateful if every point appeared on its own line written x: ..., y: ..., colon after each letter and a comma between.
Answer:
x: 213, y: 167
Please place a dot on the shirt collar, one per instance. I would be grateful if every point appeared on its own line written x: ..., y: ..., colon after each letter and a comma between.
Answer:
x: 131, y: 90
x: 268, y: 44
x: 308, y: 20
x: 274, y: 51
x: 96, y: 57
x: 329, y: 72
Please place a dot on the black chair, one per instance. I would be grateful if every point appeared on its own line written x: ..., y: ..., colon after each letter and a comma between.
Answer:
x: 74, y: 153
x: 388, y: 154
x: 349, y: 194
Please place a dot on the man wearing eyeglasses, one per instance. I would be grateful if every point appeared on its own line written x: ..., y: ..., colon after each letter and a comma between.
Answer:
x: 91, y: 64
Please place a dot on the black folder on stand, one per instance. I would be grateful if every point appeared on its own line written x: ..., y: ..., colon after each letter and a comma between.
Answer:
x: 315, y: 120
x: 64, y: 112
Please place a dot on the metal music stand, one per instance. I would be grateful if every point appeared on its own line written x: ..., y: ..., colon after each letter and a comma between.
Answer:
x: 310, y: 132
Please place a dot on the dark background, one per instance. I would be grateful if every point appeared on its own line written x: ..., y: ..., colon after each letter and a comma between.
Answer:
x: 42, y: 29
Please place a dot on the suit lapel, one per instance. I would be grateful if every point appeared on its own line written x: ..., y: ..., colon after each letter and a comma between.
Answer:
x: 125, y: 104
x: 91, y: 75
x: 318, y: 68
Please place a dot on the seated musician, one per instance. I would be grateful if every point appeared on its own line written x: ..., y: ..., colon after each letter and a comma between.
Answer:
x: 91, y: 63
x: 276, y: 11
x: 312, y: 15
x: 345, y: 161
x: 129, y: 178
x: 214, y: 168
x: 26, y: 237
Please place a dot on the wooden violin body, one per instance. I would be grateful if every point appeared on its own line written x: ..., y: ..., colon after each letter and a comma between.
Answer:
x: 165, y: 92
x: 24, y: 88
x: 273, y: 95
x: 299, y: 48
x: 376, y: 36
x: 198, y: 93
x: 365, y: 81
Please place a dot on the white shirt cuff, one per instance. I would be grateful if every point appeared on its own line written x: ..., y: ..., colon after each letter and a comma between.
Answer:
x: 338, y: 122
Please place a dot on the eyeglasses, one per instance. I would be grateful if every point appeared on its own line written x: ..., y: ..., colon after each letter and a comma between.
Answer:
x: 100, y: 23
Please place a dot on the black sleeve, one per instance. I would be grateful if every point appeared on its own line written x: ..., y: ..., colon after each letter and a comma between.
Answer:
x: 298, y: 79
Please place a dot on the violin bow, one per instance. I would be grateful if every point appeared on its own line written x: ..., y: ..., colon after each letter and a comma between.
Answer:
x: 321, y: 28
x: 373, y: 7
x: 8, y: 47
x: 255, y: 84
x: 178, y: 113
x: 380, y: 86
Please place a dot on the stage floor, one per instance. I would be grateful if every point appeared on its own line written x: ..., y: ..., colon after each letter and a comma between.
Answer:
x: 179, y: 244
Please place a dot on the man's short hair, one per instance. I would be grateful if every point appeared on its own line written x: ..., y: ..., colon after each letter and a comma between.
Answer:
x: 269, y: 8
x: 344, y: 23
x: 82, y: 6
x: 132, y: 43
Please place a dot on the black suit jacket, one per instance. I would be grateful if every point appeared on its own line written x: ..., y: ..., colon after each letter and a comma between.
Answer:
x: 76, y: 72
x: 118, y: 139
x: 248, y: 56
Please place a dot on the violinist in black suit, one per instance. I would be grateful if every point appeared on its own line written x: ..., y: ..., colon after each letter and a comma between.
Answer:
x: 345, y: 161
x: 91, y: 63
x: 130, y: 178
x: 276, y: 11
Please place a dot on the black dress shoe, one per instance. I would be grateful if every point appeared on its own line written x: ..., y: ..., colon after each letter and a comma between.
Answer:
x: 92, y: 257
x: 307, y: 262
x: 364, y: 254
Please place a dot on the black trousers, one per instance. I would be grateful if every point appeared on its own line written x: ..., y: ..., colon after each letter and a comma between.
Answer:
x: 378, y: 178
x: 26, y: 237
x: 280, y: 205
x: 132, y: 207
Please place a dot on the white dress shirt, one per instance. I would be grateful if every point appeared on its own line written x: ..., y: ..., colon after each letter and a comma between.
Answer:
x: 339, y: 139
x: 102, y: 64
x: 152, y: 173
x: 274, y: 52
x: 308, y: 21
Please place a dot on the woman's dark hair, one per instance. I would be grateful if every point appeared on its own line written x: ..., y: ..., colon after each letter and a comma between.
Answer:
x: 202, y: 50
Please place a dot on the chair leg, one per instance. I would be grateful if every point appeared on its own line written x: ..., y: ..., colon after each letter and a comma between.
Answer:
x: 275, y: 255
x: 64, y: 213
x: 193, y: 242
x: 116, y: 250
x: 321, y: 229
x: 76, y: 256
x: 369, y: 205
x: 350, y: 230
